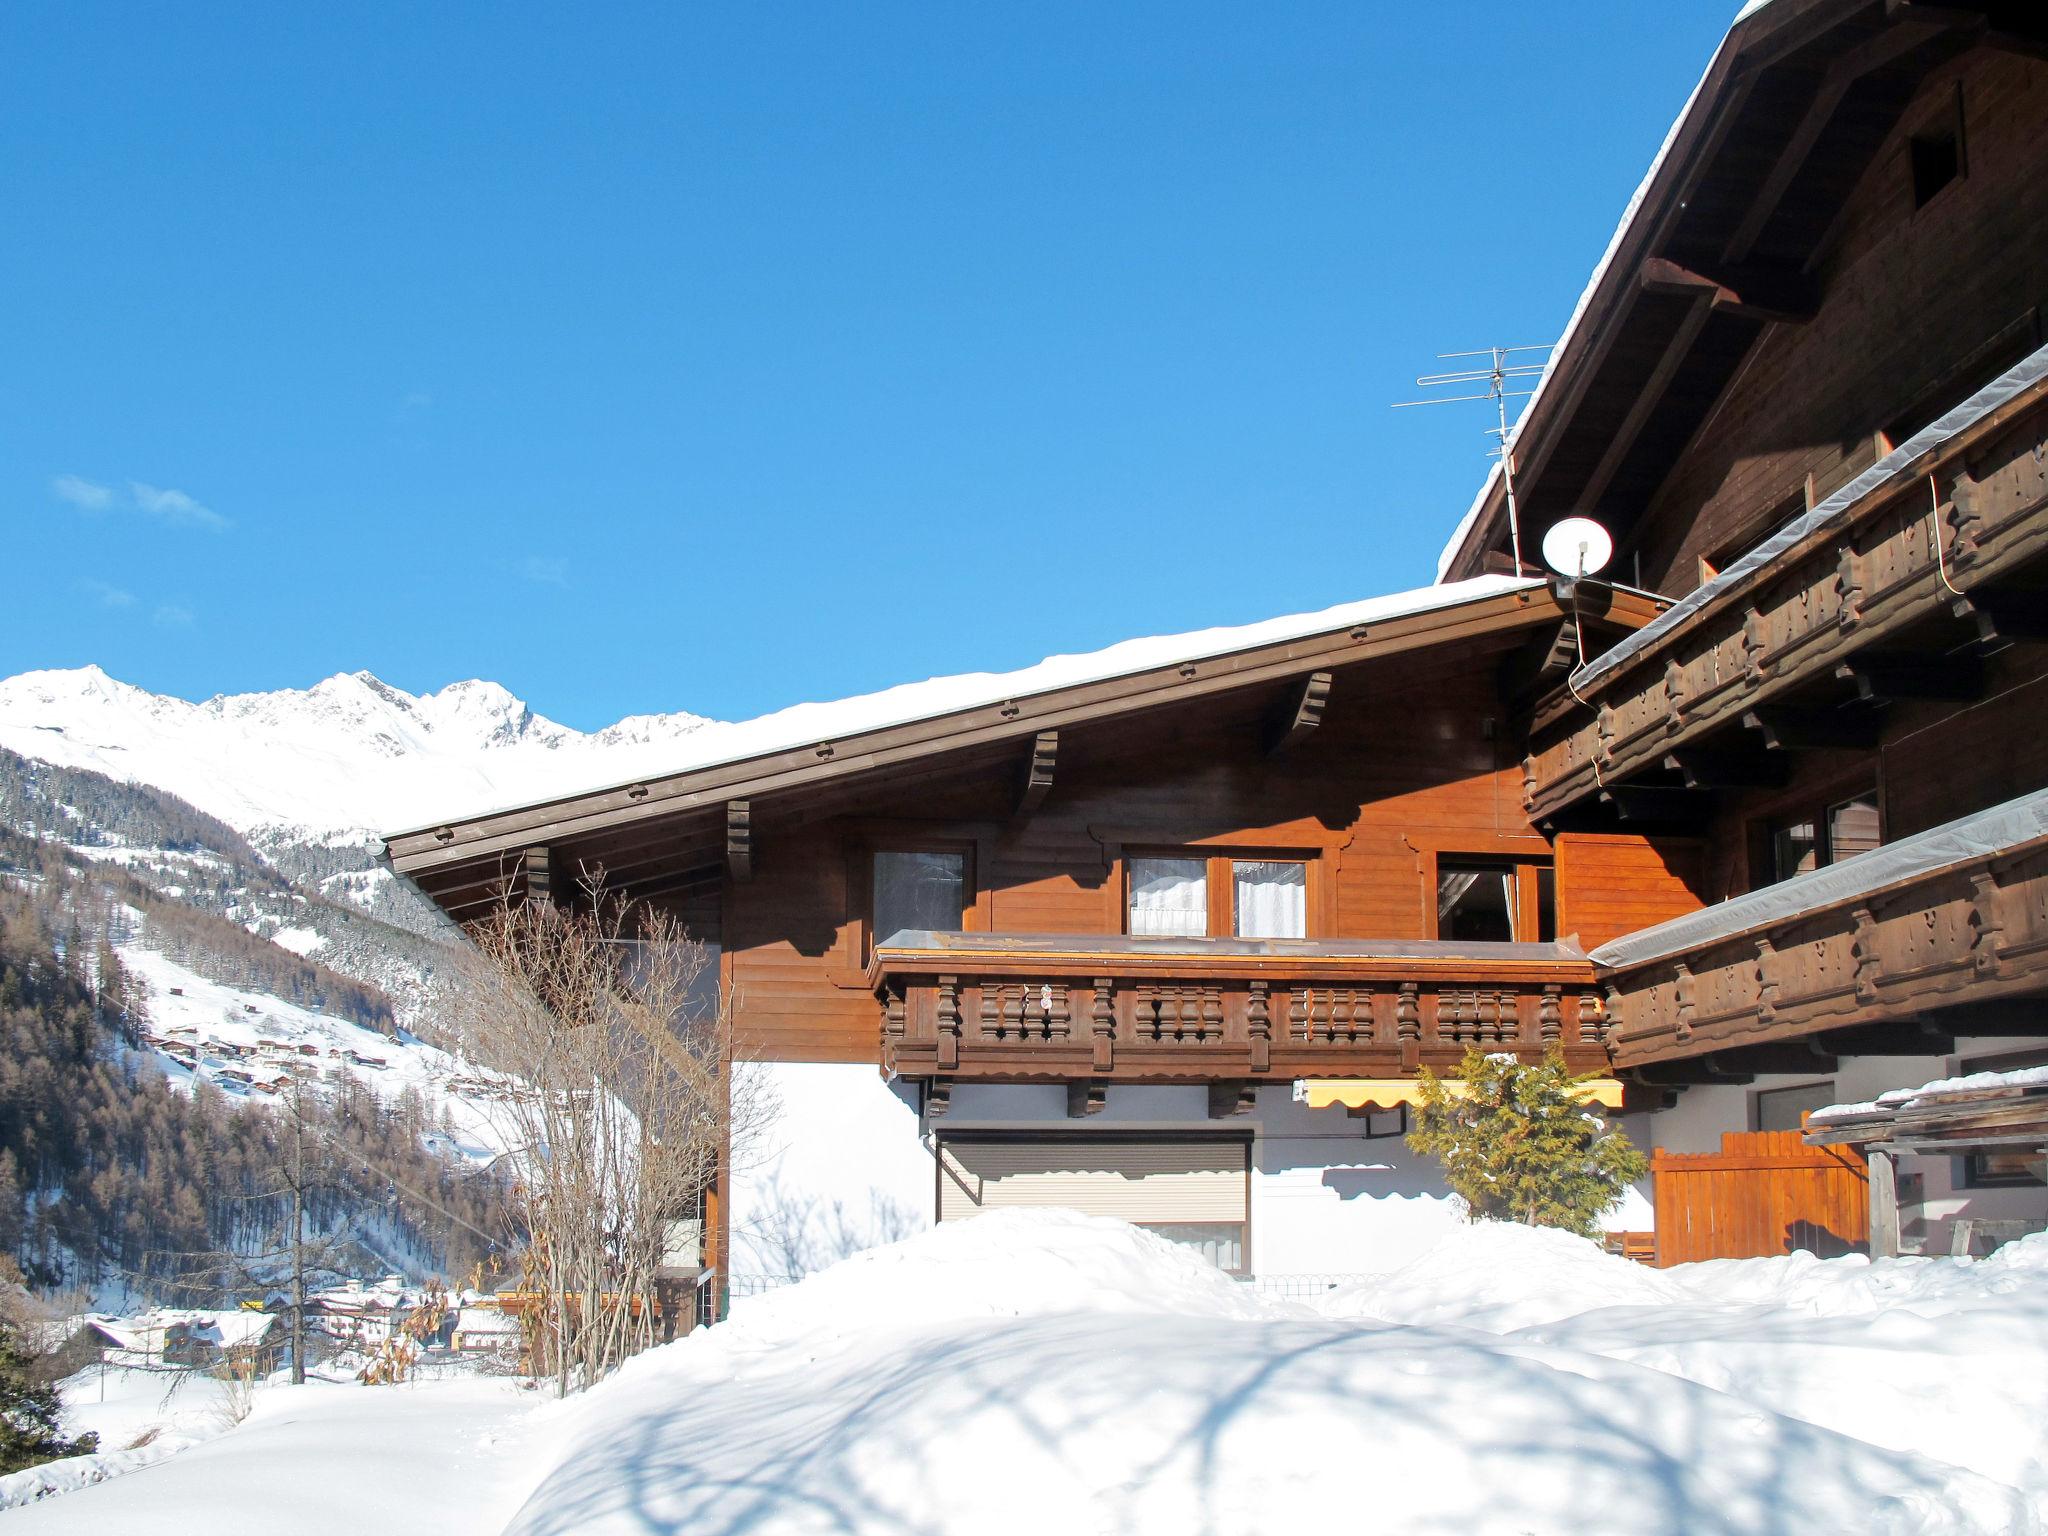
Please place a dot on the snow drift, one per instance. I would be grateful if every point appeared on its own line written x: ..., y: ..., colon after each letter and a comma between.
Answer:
x: 1037, y: 1370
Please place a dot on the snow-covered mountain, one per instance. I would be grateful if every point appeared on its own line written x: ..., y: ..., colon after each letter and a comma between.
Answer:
x: 339, y: 763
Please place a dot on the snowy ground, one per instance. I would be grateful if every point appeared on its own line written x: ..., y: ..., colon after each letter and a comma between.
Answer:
x: 1032, y: 1371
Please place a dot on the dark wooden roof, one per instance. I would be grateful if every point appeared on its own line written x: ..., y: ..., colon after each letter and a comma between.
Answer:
x: 674, y: 833
x: 1796, y: 103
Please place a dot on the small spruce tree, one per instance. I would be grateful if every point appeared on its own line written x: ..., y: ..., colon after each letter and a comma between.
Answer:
x: 30, y: 1432
x: 1519, y: 1146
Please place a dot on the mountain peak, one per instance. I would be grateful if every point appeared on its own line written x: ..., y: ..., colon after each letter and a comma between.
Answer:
x: 342, y: 760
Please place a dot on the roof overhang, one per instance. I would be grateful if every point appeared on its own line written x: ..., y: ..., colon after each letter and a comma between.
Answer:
x: 475, y: 850
x: 1722, y: 239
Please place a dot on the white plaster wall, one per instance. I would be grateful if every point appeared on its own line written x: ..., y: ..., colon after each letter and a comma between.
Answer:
x: 1931, y: 1196
x: 1327, y: 1200
x: 839, y: 1167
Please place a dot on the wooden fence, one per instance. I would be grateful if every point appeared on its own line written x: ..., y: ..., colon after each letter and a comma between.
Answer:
x: 1763, y: 1193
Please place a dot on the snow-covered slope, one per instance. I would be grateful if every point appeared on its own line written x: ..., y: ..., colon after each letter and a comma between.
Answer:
x: 248, y: 1044
x: 338, y: 762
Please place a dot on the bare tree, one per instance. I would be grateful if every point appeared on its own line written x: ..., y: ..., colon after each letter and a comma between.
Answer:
x: 621, y: 1107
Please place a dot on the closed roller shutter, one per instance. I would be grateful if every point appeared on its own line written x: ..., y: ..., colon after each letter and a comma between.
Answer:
x: 1153, y: 1182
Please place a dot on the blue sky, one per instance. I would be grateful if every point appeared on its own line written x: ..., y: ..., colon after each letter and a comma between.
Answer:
x: 719, y: 357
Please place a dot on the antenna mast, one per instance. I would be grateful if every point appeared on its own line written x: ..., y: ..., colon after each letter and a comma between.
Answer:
x: 1500, y: 375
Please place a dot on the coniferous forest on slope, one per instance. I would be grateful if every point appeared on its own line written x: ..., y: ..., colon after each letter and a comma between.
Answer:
x: 110, y: 1173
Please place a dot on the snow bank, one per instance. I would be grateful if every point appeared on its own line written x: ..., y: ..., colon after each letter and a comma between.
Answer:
x: 1037, y: 1370
x: 1500, y: 1276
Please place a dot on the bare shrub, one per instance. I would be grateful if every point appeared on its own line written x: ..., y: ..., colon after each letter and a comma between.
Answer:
x: 620, y: 1109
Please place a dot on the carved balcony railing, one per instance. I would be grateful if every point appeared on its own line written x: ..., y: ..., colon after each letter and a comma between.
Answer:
x: 1899, y: 573
x: 1946, y: 931
x: 1023, y: 1007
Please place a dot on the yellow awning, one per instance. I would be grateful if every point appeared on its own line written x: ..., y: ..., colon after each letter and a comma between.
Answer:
x: 1392, y: 1092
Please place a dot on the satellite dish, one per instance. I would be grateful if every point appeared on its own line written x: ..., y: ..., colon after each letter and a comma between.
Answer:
x: 1577, y: 547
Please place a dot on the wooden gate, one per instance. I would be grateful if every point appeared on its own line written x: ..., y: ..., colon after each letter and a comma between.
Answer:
x: 1763, y: 1193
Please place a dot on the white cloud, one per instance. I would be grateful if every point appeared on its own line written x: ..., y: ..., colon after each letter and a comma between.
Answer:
x: 174, y: 507
x: 82, y: 493
x: 108, y: 595
x: 171, y: 616
x: 547, y: 569
x: 168, y: 506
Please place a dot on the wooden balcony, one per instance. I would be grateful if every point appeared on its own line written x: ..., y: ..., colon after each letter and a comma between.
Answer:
x: 1940, y: 935
x: 1859, y: 611
x: 1033, y: 1007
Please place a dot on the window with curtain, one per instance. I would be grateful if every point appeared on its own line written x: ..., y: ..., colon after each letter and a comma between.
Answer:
x: 1271, y: 898
x: 919, y: 889
x: 1169, y: 898
x: 1476, y: 903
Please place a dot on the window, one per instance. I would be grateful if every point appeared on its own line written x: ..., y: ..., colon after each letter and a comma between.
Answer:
x: 1169, y: 898
x: 1193, y: 896
x: 1270, y: 899
x: 1476, y: 902
x: 1936, y: 160
x: 1783, y: 1109
x: 1486, y: 901
x: 1806, y: 841
x: 919, y: 889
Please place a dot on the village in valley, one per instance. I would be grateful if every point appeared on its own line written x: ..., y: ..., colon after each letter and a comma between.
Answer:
x: 1555, y: 1043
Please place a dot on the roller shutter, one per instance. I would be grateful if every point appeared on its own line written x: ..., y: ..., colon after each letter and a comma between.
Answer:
x: 1149, y: 1182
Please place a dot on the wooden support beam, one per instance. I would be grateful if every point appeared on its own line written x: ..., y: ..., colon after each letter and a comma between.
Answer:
x: 1232, y: 1098
x: 1884, y: 1205
x: 1752, y: 292
x: 1301, y: 714
x: 538, y: 864
x: 1647, y: 399
x: 1038, y: 771
x: 739, y: 839
x: 1794, y: 1056
x: 1085, y: 1098
x: 1705, y: 768
x: 938, y: 1097
x: 1911, y: 26
x: 1812, y: 730
x: 2001, y: 619
x: 1906, y: 1037
x: 1691, y: 1071
x: 1879, y: 679
x: 1656, y: 804
x: 2009, y: 1016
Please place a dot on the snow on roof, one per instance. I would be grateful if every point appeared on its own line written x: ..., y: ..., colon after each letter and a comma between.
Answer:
x: 1578, y: 314
x: 713, y: 745
x: 2029, y: 371
x: 1901, y: 1098
x: 1956, y: 842
x: 485, y: 1320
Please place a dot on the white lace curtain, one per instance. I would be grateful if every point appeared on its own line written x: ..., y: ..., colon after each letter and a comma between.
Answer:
x: 1169, y: 898
x: 1272, y: 899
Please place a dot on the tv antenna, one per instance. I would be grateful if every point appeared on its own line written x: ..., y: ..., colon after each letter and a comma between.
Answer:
x: 1502, y: 379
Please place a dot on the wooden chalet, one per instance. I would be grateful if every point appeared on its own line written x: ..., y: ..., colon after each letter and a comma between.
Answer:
x: 1087, y: 928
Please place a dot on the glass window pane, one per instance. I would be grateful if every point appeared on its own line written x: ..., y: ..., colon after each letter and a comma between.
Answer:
x: 1272, y: 898
x: 1169, y: 898
x: 1792, y: 850
x: 1852, y: 828
x: 1546, y: 903
x: 1476, y: 903
x: 919, y: 890
x: 1779, y: 1109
